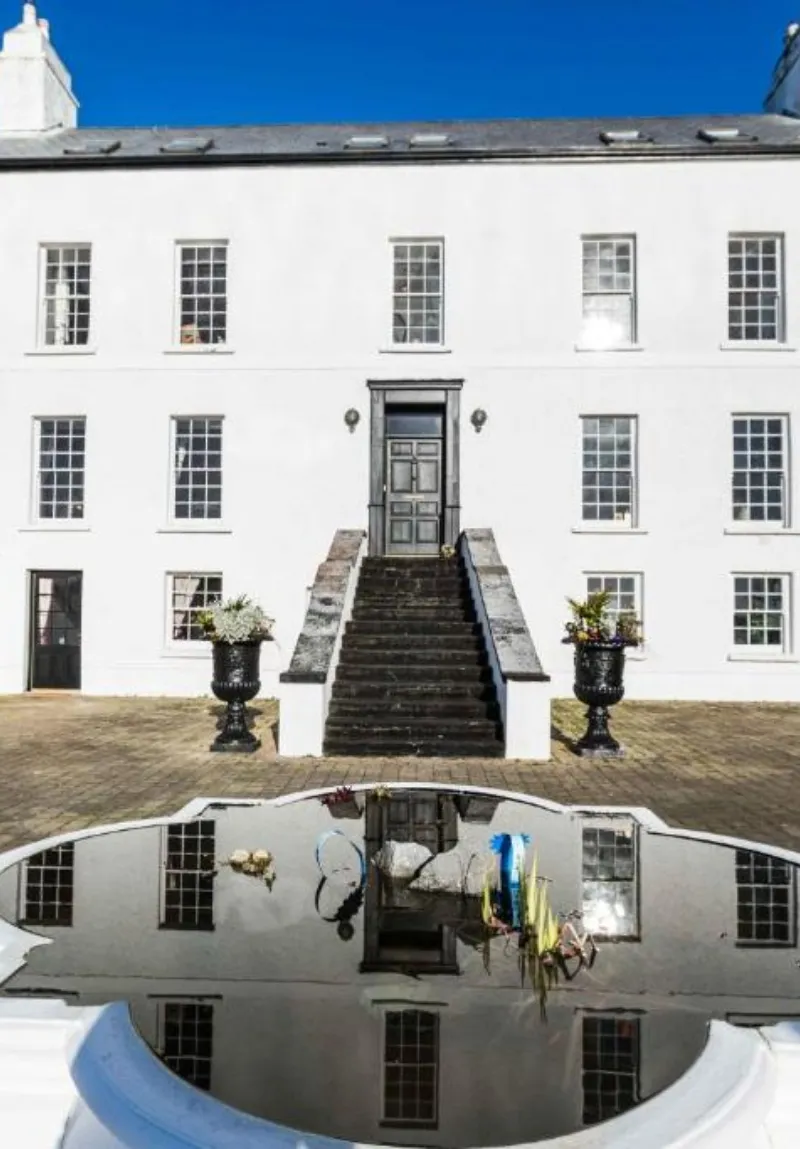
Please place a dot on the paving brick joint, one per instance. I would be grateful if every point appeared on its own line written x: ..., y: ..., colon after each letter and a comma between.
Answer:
x: 69, y: 761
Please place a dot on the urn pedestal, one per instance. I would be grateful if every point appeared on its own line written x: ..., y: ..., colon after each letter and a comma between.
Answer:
x: 236, y: 681
x: 599, y: 671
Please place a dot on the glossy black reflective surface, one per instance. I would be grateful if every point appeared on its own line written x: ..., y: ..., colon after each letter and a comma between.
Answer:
x: 379, y: 979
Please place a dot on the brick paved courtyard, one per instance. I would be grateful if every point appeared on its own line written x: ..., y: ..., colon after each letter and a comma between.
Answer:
x: 70, y: 761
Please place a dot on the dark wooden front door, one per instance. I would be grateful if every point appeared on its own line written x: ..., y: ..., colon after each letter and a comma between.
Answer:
x: 56, y: 630
x: 414, y: 482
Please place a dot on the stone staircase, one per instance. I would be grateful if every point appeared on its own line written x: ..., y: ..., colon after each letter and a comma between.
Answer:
x: 413, y: 675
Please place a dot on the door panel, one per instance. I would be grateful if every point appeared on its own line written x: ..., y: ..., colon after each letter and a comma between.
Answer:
x: 56, y: 630
x: 414, y: 471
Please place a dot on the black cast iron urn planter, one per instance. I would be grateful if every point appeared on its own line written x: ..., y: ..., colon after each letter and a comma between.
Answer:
x: 236, y: 681
x: 599, y: 669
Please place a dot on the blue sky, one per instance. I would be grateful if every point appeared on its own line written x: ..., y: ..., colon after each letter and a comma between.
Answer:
x: 234, y: 61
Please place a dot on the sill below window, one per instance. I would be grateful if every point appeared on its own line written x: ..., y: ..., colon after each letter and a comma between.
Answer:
x: 415, y: 349
x: 68, y: 527
x: 189, y: 649
x: 757, y: 656
x: 200, y: 349
x: 634, y: 655
x: 753, y: 345
x: 610, y: 529
x: 72, y: 350
x: 190, y: 528
x: 758, y: 529
x: 612, y: 350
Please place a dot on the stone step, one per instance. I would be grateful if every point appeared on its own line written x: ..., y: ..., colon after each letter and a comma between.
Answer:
x: 390, y: 692
x: 399, y: 643
x: 423, y: 564
x: 371, y: 584
x: 411, y: 598
x: 434, y: 674
x: 401, y: 747
x: 409, y: 628
x: 380, y: 656
x: 438, y: 729
x: 378, y: 709
x: 414, y: 611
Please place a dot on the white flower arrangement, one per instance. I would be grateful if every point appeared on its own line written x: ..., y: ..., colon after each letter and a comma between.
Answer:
x: 254, y: 863
x: 237, y: 620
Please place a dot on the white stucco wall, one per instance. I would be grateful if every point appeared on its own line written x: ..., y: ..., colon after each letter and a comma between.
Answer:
x: 309, y: 301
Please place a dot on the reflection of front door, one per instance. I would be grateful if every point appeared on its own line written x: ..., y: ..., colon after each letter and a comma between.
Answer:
x: 56, y: 630
x: 414, y: 473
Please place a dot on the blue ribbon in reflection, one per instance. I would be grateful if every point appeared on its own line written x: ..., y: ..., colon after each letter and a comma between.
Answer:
x: 511, y: 850
x: 352, y: 902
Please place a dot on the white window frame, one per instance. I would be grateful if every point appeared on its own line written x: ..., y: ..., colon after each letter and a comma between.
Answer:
x: 744, y: 339
x: 178, y: 335
x: 36, y: 484
x: 185, y: 643
x: 591, y: 335
x: 629, y: 828
x: 606, y: 577
x: 746, y: 509
x: 65, y: 344
x: 54, y: 858
x: 621, y: 520
x: 764, y: 649
x: 190, y: 522
x: 425, y: 242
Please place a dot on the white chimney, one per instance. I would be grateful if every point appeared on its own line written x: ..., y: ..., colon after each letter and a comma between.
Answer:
x: 35, y: 87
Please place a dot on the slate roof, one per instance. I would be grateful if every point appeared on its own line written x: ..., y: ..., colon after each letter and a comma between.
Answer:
x: 473, y: 139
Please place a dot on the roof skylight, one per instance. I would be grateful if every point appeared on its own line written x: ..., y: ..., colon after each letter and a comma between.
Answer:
x: 188, y: 145
x: 91, y: 148
x: 430, y: 140
x: 722, y: 135
x: 367, y: 142
x: 626, y: 136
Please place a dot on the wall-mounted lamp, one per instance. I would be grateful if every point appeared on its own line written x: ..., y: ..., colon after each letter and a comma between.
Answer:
x: 352, y: 419
x: 478, y: 419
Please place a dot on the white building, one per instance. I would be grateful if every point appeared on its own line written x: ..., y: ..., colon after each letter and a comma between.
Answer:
x: 188, y: 314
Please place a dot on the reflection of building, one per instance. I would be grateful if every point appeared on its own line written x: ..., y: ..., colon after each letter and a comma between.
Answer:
x: 610, y: 1066
x: 404, y: 928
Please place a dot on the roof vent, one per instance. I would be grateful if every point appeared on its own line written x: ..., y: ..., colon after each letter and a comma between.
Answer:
x: 91, y: 148
x: 190, y: 145
x: 430, y: 140
x: 628, y: 136
x: 367, y: 142
x: 722, y: 135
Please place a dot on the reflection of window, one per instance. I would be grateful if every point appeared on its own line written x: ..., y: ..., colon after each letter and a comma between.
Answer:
x: 60, y: 475
x: 410, y: 1068
x: 66, y: 298
x: 186, y: 1040
x: 610, y: 1048
x: 418, y: 290
x: 765, y: 899
x: 610, y: 865
x: 609, y: 292
x: 188, y: 893
x: 609, y: 478
x: 197, y: 468
x: 189, y: 595
x: 48, y: 887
